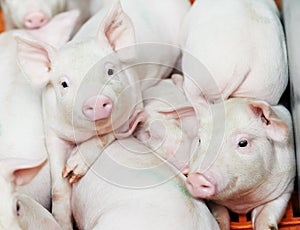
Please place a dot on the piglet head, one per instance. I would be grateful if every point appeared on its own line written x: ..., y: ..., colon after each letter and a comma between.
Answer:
x: 90, y: 83
x: 15, y: 172
x: 237, y: 151
x: 32, y: 14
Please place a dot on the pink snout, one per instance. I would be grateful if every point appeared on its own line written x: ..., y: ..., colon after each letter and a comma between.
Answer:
x: 97, y: 108
x: 35, y: 20
x: 199, y: 186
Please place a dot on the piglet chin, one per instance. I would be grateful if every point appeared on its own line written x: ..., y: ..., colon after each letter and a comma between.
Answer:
x: 199, y: 186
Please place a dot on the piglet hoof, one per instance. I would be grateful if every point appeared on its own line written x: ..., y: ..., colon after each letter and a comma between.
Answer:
x: 273, y: 227
x: 71, y: 174
x: 75, y: 168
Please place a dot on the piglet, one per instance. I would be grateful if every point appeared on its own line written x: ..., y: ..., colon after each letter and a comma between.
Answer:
x: 170, y: 127
x: 233, y: 48
x: 19, y: 211
x: 245, y: 161
x: 34, y: 14
x: 89, y: 95
x: 21, y: 121
x: 131, y: 188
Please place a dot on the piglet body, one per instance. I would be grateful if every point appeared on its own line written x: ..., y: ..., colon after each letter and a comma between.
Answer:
x: 234, y: 48
x: 245, y: 162
x: 128, y: 187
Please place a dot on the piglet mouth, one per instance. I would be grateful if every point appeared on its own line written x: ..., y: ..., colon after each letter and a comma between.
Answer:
x: 200, y: 186
x: 98, y: 108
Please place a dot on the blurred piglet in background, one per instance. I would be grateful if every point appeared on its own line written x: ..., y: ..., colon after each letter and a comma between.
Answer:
x: 33, y: 14
x: 245, y: 161
x: 17, y: 210
x: 171, y: 125
x: 233, y: 48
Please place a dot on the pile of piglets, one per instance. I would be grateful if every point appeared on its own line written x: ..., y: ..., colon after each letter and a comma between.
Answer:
x: 138, y: 114
x: 235, y: 72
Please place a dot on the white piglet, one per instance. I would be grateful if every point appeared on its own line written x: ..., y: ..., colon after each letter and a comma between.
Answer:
x: 21, y: 121
x: 233, y: 48
x: 128, y: 187
x: 17, y: 210
x: 91, y: 92
x: 245, y: 161
x: 170, y: 127
x: 34, y: 14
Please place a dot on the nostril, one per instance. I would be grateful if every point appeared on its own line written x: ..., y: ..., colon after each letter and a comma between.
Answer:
x: 98, y: 107
x: 199, y: 186
x: 107, y: 106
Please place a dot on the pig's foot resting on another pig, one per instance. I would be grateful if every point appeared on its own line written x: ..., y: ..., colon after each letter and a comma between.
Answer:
x: 82, y: 158
x: 267, y: 216
x: 221, y: 214
x: 76, y: 167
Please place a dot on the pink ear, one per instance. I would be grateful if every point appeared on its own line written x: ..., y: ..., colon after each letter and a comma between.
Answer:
x: 131, y: 125
x: 118, y: 30
x: 34, y: 59
x: 275, y: 128
x: 179, y: 113
x: 58, y: 31
x: 21, y: 171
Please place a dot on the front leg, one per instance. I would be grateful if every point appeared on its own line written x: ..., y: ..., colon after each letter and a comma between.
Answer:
x: 221, y: 214
x: 58, y: 150
x: 83, y: 156
x: 267, y: 216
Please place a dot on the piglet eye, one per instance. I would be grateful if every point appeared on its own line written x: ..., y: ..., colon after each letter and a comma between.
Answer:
x: 110, y: 72
x: 109, y: 69
x: 18, y: 208
x: 64, y: 82
x: 243, y: 143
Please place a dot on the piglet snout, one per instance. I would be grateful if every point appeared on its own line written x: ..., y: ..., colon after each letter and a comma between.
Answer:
x: 35, y: 20
x: 199, y: 186
x: 97, y: 108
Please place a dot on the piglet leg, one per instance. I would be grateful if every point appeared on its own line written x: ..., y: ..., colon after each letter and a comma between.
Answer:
x: 267, y: 216
x: 61, y: 189
x: 221, y: 214
x: 83, y: 156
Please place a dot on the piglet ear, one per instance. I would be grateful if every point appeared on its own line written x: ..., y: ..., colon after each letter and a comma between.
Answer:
x: 117, y: 29
x: 34, y: 59
x: 58, y: 31
x: 130, y: 126
x: 179, y: 113
x: 186, y: 117
x: 21, y: 171
x: 275, y: 128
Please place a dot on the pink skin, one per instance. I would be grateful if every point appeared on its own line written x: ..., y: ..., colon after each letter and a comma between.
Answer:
x: 200, y: 186
x: 97, y: 108
x: 35, y: 20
